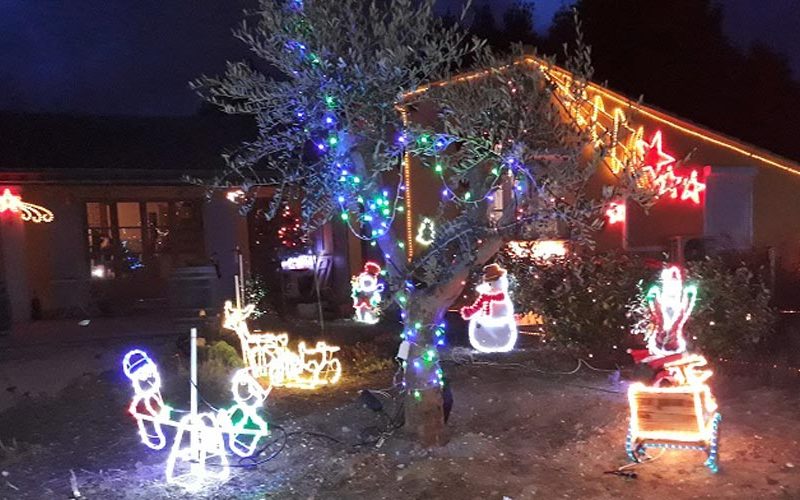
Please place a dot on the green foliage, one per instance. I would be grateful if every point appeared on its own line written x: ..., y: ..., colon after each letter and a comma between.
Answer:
x: 583, y: 300
x: 594, y: 303
x: 733, y: 317
x: 256, y: 293
x: 214, y: 372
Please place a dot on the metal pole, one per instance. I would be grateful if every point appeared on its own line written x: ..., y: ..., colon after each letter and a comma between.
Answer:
x: 238, y: 292
x: 241, y: 274
x: 193, y: 388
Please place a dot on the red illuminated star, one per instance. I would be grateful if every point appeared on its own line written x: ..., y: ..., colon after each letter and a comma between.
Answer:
x: 654, y: 156
x: 692, y: 188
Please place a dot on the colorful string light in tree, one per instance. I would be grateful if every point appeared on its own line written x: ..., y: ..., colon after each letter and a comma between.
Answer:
x: 269, y: 355
x: 366, y: 290
x: 492, y: 327
x: 28, y: 212
x: 426, y: 232
x: 677, y: 409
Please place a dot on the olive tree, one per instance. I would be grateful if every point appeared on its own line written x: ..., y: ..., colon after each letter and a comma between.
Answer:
x: 334, y: 90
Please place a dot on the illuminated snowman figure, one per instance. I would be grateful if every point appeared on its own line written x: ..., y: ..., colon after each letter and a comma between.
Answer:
x: 246, y: 426
x: 492, y: 327
x: 366, y: 293
x: 147, y: 406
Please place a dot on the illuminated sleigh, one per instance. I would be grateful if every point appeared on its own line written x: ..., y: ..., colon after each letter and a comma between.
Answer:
x: 682, y: 416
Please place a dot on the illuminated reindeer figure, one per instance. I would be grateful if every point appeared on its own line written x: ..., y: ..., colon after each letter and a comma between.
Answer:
x: 261, y: 351
x: 268, y: 355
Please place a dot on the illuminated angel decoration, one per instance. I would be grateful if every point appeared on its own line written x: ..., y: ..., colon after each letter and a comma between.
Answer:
x: 28, y: 212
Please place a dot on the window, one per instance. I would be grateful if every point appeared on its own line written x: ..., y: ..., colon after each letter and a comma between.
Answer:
x: 129, y: 238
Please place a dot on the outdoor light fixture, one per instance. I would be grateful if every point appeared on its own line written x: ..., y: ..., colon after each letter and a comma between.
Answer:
x: 198, y: 453
x: 366, y: 292
x: 492, y: 326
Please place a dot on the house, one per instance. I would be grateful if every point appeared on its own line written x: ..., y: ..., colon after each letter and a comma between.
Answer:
x: 716, y: 193
x: 129, y: 234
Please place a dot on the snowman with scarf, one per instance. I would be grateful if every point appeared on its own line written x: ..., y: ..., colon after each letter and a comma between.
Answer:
x: 492, y: 327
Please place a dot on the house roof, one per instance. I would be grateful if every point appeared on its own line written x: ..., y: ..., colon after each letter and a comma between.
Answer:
x: 719, y: 146
x: 62, y: 148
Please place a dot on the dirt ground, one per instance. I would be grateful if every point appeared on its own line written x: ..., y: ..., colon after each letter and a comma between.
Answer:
x: 515, y: 432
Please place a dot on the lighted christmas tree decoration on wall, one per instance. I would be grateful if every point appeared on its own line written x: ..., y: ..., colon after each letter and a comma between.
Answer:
x: 198, y: 453
x: 269, y: 355
x: 426, y: 232
x: 366, y: 290
x: 28, y: 212
x: 677, y: 409
x: 492, y: 327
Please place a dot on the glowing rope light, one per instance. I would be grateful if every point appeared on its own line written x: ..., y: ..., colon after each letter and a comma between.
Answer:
x: 269, y: 355
x: 680, y: 384
x: 366, y: 293
x: 198, y: 453
x: 492, y: 326
x: 426, y: 232
x: 28, y: 212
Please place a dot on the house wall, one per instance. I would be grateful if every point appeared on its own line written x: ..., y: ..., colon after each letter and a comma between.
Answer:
x: 777, y: 215
x: 51, y: 260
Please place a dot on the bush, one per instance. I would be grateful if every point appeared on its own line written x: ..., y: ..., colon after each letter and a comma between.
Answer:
x: 732, y: 316
x: 593, y: 303
x: 217, y: 364
x: 583, y: 300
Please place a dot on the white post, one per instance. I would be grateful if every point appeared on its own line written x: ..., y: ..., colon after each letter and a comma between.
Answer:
x: 238, y: 292
x: 241, y: 275
x: 193, y: 388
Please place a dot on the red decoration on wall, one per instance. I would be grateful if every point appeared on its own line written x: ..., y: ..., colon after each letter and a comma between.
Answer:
x: 659, y: 172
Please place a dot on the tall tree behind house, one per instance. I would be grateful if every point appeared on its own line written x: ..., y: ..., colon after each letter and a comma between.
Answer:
x: 677, y: 55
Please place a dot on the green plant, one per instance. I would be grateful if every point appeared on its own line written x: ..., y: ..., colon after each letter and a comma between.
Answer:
x: 733, y: 316
x: 583, y: 300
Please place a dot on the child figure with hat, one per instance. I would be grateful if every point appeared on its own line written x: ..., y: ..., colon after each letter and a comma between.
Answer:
x: 492, y: 327
x: 366, y: 293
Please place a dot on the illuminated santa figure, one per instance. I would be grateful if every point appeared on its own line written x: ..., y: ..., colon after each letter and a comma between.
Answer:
x: 670, y: 303
x: 492, y: 327
x: 366, y: 293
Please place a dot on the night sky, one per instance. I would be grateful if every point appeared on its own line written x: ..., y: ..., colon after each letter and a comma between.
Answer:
x: 136, y: 56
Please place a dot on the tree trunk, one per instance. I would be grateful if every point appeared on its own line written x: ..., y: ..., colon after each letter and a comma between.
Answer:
x: 423, y: 404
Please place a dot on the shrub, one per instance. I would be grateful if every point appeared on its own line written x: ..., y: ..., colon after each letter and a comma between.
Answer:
x: 593, y: 303
x: 732, y: 316
x: 583, y: 300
